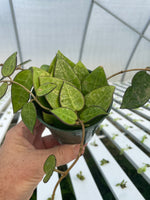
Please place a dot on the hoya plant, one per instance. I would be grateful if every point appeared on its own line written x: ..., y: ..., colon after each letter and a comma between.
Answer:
x: 64, y: 92
x: 66, y: 95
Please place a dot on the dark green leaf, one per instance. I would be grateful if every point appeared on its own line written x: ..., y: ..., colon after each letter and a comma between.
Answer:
x: 49, y: 167
x: 45, y: 67
x: 94, y: 80
x: 65, y: 59
x: 52, y: 66
x: 9, y: 65
x: 65, y: 72
x: 66, y: 115
x: 19, y: 95
x: 45, y: 89
x: 3, y: 89
x: 53, y: 63
x: 71, y: 97
x: 47, y: 176
x: 49, y: 164
x: 101, y: 97
x: 139, y: 92
x: 48, y: 118
x: 81, y: 71
x: 37, y: 72
x: 52, y: 97
x: 91, y: 112
x: 29, y: 115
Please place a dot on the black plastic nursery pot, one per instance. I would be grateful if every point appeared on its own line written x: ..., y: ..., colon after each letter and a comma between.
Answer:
x: 72, y: 136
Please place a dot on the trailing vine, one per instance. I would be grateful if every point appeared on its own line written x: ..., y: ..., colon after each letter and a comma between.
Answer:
x: 64, y: 174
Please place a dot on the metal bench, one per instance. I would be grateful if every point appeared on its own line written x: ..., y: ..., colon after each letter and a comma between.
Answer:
x: 128, y: 131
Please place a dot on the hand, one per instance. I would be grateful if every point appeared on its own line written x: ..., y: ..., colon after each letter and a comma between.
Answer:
x: 22, y: 157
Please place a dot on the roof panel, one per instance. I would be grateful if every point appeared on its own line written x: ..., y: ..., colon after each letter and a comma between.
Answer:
x: 141, y: 58
x: 136, y: 13
x: 7, y: 36
x: 108, y: 43
x: 45, y: 28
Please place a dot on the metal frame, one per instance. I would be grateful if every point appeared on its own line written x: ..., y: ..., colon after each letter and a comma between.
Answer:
x: 141, y: 34
x: 15, y: 30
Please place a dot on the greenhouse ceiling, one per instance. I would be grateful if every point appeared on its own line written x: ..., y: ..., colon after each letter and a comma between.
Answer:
x: 114, y: 34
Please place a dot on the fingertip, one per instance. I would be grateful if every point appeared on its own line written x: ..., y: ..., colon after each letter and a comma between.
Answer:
x: 76, y: 149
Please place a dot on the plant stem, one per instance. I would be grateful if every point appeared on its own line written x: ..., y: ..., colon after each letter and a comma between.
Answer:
x: 64, y: 174
x: 59, y: 171
x: 19, y: 68
x: 2, y: 79
x: 129, y: 70
x: 34, y: 97
x: 81, y: 147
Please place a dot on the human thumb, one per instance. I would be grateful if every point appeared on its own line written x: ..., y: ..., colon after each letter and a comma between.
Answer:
x: 63, y: 153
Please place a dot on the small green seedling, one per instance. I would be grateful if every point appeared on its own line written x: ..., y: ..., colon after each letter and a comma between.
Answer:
x: 143, y: 169
x: 114, y: 136
x: 80, y: 176
x: 94, y: 143
x: 116, y: 107
x: 102, y: 126
x: 125, y: 149
x: 127, y: 127
x: 128, y: 114
x: 123, y: 184
x: 147, y: 105
x: 137, y: 120
x: 116, y: 119
x: 104, y: 162
x: 140, y: 109
x: 143, y: 138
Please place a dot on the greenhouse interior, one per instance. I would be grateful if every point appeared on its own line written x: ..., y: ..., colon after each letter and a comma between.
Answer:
x: 81, y: 70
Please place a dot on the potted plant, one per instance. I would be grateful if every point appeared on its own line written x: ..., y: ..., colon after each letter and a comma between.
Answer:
x: 68, y: 98
x: 59, y: 95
